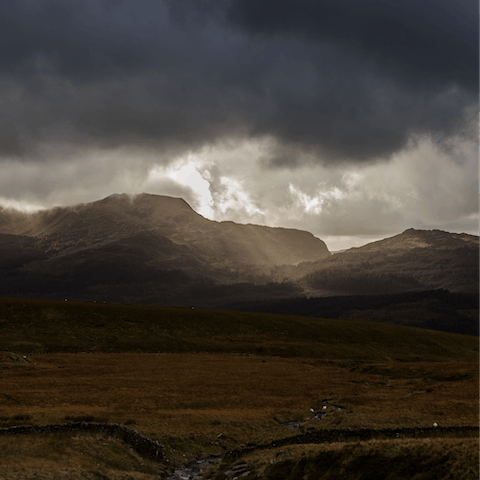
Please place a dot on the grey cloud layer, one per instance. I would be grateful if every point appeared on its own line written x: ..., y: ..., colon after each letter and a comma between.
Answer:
x: 335, y: 80
x: 427, y: 42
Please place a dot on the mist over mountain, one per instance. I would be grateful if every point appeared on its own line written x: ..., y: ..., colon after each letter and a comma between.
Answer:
x: 123, y: 216
x: 151, y: 249
x: 144, y: 248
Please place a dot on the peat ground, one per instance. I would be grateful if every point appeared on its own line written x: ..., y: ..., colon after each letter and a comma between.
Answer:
x: 205, y: 383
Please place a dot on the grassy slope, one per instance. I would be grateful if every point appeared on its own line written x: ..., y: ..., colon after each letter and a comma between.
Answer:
x: 41, y: 326
x: 72, y: 456
x: 422, y: 459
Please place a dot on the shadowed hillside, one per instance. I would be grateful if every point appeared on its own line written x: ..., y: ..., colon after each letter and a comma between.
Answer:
x: 412, y: 260
x: 432, y: 309
x: 56, y: 326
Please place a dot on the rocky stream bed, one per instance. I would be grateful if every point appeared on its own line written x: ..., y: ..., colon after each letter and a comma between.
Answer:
x: 192, y: 470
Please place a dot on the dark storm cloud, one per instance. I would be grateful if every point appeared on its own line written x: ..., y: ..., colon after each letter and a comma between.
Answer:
x: 338, y: 80
x: 113, y: 74
x: 433, y: 42
x: 79, y: 40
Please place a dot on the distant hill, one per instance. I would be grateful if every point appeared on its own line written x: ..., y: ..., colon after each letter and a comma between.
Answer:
x: 432, y: 309
x: 413, y: 260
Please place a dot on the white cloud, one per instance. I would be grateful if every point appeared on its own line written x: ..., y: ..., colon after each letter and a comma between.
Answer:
x: 190, y: 176
x: 234, y: 199
x: 312, y: 204
x: 428, y: 185
x: 303, y: 200
x: 20, y: 205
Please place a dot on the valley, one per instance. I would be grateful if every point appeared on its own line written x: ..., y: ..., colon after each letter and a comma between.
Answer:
x: 139, y: 340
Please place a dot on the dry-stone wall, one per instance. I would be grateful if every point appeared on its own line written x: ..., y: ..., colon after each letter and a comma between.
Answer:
x: 141, y: 444
x: 345, y: 434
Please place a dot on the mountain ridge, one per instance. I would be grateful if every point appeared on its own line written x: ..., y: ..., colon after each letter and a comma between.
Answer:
x: 418, y: 238
x: 412, y: 260
x: 124, y: 215
x: 155, y: 249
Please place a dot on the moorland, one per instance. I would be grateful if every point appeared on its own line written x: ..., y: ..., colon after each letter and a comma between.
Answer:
x: 257, y: 395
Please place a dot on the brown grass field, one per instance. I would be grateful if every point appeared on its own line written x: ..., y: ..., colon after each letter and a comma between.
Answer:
x: 375, y: 459
x: 199, y: 404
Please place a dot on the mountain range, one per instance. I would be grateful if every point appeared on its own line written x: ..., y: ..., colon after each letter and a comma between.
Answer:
x: 151, y: 249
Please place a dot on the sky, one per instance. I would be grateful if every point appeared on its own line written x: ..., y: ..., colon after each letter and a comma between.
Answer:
x: 352, y: 120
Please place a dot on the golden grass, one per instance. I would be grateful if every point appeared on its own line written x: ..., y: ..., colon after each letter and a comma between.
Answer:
x: 210, y: 390
x: 186, y: 401
x: 422, y: 459
x: 71, y: 455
